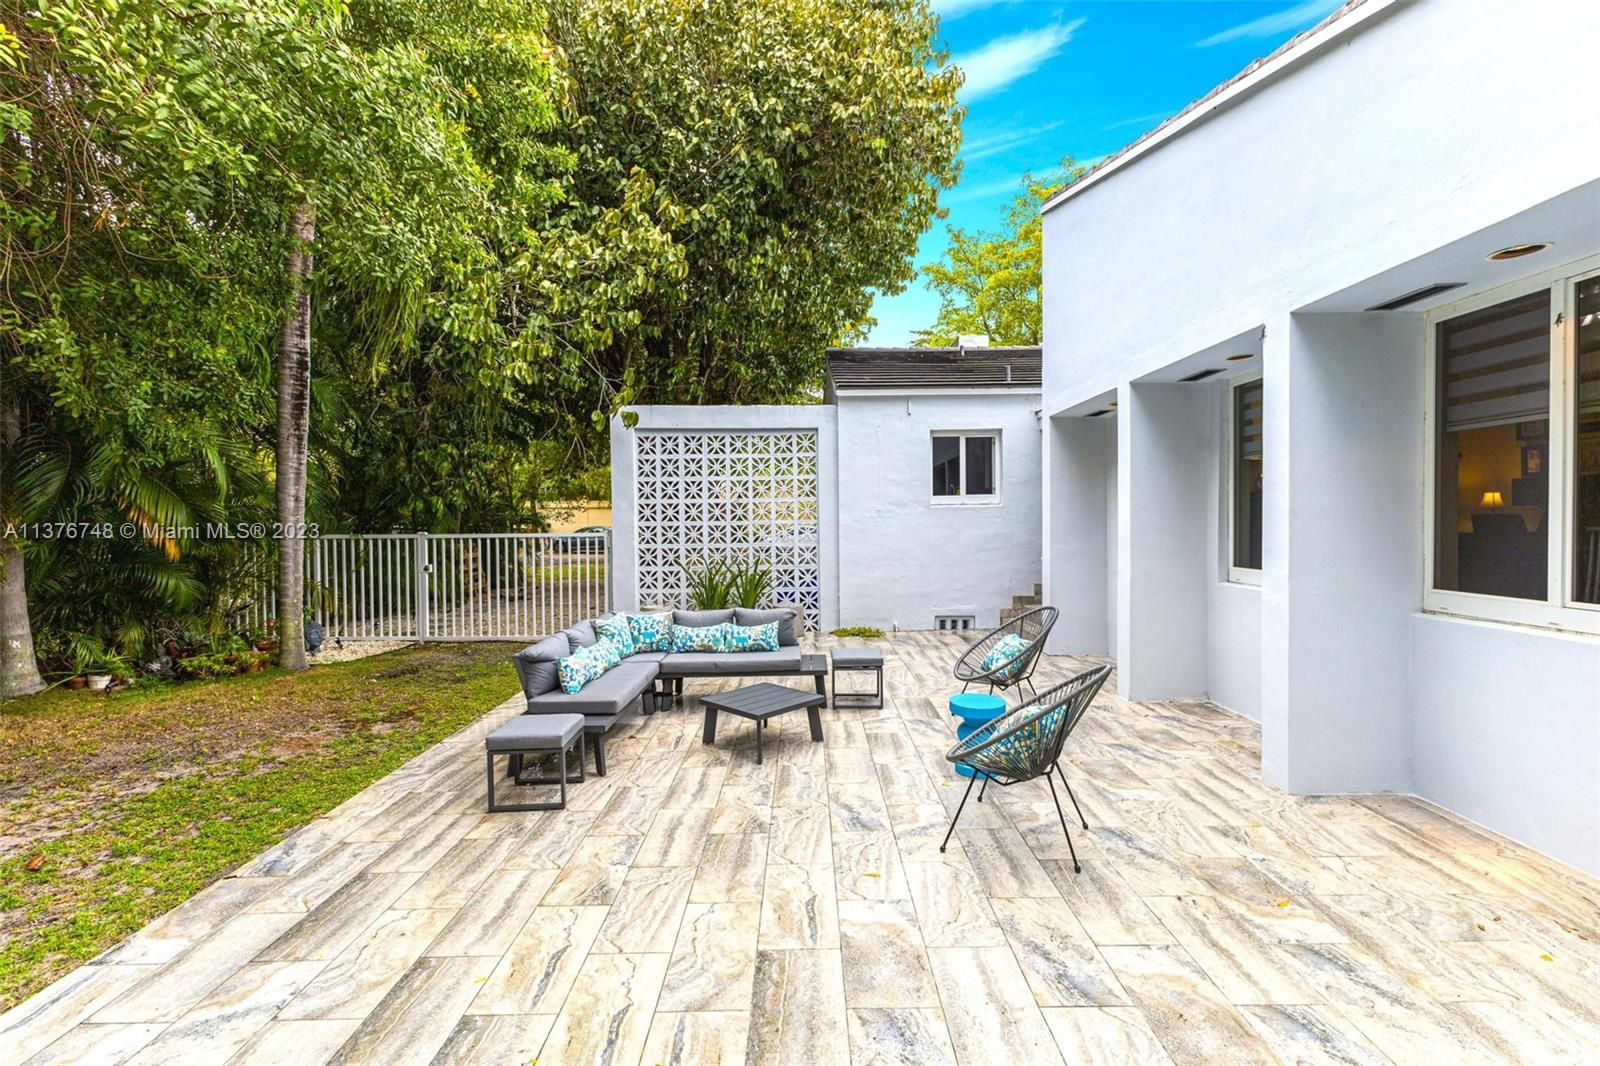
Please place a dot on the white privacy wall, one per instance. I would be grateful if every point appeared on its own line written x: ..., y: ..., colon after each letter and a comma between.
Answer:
x: 717, y: 421
x: 904, y: 558
x: 1365, y: 166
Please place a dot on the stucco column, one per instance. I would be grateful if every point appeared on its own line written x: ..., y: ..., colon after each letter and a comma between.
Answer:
x: 1342, y: 421
x: 1078, y: 460
x: 1163, y: 433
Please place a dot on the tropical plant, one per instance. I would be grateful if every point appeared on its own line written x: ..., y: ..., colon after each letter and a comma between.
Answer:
x: 748, y: 582
x: 990, y: 283
x: 868, y: 632
x: 718, y: 584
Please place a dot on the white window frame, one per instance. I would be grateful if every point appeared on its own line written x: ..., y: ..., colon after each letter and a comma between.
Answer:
x: 964, y: 500
x: 1558, y: 610
x: 1236, y: 575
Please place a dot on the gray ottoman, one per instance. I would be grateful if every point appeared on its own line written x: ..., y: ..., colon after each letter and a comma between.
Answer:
x: 535, y: 734
x: 862, y: 659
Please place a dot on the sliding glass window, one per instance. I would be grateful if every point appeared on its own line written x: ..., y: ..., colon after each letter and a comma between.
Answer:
x: 1492, y: 485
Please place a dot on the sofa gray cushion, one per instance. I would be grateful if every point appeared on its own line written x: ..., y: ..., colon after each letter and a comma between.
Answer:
x: 535, y: 732
x: 646, y: 657
x: 731, y: 663
x: 696, y: 619
x: 607, y: 694
x: 581, y: 635
x: 787, y: 637
x: 536, y: 664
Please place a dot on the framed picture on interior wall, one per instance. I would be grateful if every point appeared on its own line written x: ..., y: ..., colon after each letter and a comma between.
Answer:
x: 1532, y: 462
x: 1536, y: 429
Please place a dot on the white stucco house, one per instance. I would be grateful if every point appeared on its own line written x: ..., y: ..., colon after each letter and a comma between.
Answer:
x: 907, y: 499
x: 1322, y: 394
x: 1316, y: 433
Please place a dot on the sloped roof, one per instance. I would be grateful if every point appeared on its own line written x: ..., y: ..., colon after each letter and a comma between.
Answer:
x: 934, y: 368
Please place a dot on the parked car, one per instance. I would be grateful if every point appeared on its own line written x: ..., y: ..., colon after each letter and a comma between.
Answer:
x: 587, y: 539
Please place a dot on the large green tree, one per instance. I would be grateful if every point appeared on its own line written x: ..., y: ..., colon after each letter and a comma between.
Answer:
x: 795, y: 149
x: 990, y: 282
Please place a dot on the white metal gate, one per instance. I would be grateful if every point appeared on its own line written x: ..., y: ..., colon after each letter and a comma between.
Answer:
x: 449, y: 587
x: 714, y: 496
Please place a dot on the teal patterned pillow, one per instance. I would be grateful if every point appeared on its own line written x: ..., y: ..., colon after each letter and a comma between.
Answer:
x: 1006, y: 654
x: 698, y: 638
x: 584, y: 665
x: 611, y: 650
x: 651, y: 632
x: 619, y: 631
x: 750, y: 638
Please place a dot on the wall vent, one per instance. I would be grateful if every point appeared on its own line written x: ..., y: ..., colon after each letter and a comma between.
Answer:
x: 1201, y: 375
x: 953, y: 621
x: 1416, y: 294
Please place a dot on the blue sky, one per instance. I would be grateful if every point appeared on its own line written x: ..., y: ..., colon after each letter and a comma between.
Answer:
x: 1048, y: 79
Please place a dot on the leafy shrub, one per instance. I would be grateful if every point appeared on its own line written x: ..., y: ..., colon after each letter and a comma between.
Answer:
x: 858, y: 631
x: 720, y: 584
x: 222, y: 664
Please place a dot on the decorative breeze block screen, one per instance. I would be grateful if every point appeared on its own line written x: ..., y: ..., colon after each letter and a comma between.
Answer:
x: 713, y: 496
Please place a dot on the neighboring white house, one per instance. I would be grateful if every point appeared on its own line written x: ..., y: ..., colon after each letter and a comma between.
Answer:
x: 1322, y: 378
x: 908, y: 499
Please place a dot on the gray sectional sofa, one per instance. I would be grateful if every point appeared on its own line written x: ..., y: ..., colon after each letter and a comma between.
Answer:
x: 645, y: 680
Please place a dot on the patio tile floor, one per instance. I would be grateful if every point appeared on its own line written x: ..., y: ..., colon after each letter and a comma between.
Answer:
x: 694, y: 907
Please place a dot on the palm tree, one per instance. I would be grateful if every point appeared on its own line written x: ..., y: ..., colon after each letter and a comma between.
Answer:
x: 19, y: 671
x: 294, y: 422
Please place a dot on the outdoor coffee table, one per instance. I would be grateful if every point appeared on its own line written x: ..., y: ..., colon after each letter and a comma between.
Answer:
x: 761, y: 702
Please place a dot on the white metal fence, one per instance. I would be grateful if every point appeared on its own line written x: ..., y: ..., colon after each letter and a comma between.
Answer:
x: 443, y: 587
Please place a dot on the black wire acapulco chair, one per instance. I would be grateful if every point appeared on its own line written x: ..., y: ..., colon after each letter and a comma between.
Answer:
x: 1025, y: 743
x: 1032, y: 626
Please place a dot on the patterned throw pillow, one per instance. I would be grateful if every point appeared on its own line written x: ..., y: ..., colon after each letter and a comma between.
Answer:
x: 584, y: 665
x: 750, y: 638
x: 698, y: 638
x: 619, y: 631
x: 651, y: 632
x: 611, y: 650
x: 1007, y: 655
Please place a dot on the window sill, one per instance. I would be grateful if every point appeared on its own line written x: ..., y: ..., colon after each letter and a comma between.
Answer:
x: 1531, y: 615
x: 965, y: 501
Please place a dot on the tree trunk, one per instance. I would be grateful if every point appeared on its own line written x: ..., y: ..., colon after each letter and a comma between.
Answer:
x: 294, y: 423
x: 19, y: 671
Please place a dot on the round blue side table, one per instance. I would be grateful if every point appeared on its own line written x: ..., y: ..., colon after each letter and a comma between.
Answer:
x: 975, y: 709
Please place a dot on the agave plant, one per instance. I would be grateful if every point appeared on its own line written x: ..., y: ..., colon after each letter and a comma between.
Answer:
x: 720, y: 583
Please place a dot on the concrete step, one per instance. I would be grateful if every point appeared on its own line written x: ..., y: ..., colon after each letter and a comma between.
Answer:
x: 1022, y: 603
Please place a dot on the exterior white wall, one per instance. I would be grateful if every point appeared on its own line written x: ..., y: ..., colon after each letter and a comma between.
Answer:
x: 1506, y: 730
x: 1300, y: 199
x: 904, y: 558
x: 1427, y: 126
x: 624, y: 506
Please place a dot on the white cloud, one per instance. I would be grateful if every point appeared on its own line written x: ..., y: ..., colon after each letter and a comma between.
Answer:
x: 950, y: 10
x: 1290, y: 18
x: 994, y: 144
x: 1139, y: 120
x: 1003, y: 60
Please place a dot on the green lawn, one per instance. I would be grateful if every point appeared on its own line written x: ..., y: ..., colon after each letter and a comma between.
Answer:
x: 128, y: 804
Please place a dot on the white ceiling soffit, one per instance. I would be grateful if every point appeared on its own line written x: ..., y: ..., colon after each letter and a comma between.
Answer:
x: 1569, y: 222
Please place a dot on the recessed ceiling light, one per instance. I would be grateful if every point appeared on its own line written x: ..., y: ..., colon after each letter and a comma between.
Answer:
x: 1517, y: 251
x: 1241, y: 357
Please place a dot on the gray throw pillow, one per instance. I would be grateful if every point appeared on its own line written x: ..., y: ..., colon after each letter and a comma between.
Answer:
x: 536, y: 664
x: 787, y: 637
x: 581, y: 635
x: 700, y: 619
